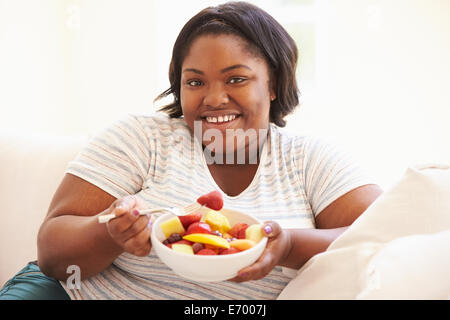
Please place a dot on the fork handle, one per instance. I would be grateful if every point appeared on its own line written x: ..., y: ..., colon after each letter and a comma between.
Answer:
x: 150, y: 211
x: 106, y: 217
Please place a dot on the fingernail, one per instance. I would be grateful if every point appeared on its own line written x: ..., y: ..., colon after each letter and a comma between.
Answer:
x: 243, y: 275
x: 136, y: 212
x: 268, y: 229
x: 149, y: 224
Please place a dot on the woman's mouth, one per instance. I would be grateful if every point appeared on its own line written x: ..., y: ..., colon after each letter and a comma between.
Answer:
x: 221, y: 119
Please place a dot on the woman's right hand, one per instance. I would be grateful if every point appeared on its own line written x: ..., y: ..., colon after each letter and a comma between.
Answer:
x: 130, y: 230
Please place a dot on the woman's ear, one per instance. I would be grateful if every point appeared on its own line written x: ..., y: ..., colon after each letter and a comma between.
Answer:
x: 273, y: 95
x: 272, y: 88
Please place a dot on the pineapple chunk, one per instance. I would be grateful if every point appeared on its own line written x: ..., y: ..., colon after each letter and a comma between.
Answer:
x: 217, y: 221
x: 184, y: 248
x: 208, y: 239
x: 242, y: 244
x: 254, y: 232
x: 172, y: 225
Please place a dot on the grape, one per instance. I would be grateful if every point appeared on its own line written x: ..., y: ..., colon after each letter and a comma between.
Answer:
x: 174, y: 237
x: 197, y: 246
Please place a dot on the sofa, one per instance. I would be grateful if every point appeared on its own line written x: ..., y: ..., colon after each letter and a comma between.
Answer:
x: 398, y: 249
x: 32, y: 167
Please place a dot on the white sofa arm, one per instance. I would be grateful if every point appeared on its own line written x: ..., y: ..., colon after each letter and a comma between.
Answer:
x: 31, y: 168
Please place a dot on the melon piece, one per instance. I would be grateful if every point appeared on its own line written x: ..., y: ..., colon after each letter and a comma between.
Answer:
x: 242, y: 244
x: 254, y: 232
x: 183, y: 248
x: 172, y: 225
x: 208, y: 239
x: 217, y: 221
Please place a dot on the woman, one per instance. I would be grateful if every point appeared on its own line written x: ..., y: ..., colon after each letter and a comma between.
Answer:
x: 232, y: 76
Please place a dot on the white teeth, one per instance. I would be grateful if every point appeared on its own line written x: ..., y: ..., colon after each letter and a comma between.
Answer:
x: 221, y: 119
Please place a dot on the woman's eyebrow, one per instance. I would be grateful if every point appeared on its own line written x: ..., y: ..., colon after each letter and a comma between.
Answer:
x: 235, y: 66
x: 193, y: 70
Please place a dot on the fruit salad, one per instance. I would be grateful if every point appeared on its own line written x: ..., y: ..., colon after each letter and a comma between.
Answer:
x: 209, y: 233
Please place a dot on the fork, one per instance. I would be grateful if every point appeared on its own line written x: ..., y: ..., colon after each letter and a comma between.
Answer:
x: 178, y: 211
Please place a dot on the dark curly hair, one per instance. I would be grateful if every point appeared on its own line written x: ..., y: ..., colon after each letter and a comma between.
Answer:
x: 265, y: 38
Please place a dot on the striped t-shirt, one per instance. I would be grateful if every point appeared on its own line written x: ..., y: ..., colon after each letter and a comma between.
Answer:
x: 157, y: 159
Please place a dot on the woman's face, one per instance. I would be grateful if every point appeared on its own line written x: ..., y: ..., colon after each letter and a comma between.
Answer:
x: 225, y: 87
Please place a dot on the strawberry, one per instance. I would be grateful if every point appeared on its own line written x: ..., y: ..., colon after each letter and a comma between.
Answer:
x: 207, y: 252
x: 238, y: 230
x: 189, y: 219
x: 212, y: 247
x: 212, y: 200
x: 229, y: 250
x: 198, y: 227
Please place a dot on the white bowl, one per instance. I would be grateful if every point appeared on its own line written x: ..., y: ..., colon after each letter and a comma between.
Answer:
x: 207, y: 268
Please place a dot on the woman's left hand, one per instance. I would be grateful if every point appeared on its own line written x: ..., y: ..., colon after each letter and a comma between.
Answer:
x: 277, y: 249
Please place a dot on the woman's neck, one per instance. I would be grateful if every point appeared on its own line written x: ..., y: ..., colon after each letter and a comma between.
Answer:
x: 233, y: 179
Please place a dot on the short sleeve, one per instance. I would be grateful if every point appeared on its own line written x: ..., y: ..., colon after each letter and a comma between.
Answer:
x: 329, y: 173
x: 116, y: 159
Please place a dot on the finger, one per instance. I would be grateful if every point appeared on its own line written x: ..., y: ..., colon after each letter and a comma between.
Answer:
x: 135, y: 228
x: 139, y: 245
x: 257, y: 270
x: 124, y: 205
x: 271, y: 229
x: 139, y: 203
x: 267, y: 261
x: 123, y: 222
x: 262, y: 267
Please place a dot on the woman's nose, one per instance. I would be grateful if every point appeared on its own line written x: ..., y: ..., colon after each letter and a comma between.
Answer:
x: 216, y: 96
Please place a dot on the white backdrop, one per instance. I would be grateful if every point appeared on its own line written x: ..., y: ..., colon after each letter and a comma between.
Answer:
x: 374, y: 74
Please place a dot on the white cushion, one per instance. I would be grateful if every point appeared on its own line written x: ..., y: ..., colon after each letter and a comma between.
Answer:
x: 398, y: 249
x: 32, y: 167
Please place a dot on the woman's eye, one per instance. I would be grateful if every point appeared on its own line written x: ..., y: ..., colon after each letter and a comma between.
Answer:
x: 236, y: 80
x: 194, y: 83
